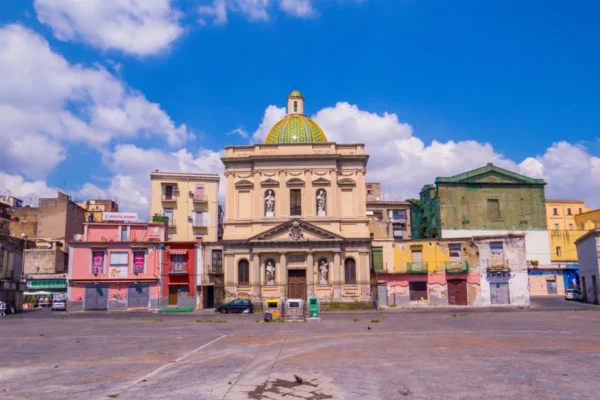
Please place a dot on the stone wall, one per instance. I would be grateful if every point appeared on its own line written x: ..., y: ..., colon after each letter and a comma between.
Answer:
x: 59, y: 219
x: 27, y: 222
x: 43, y: 261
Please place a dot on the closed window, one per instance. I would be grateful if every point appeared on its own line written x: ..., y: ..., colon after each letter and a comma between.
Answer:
x: 124, y: 234
x: 178, y: 262
x: 243, y: 272
x: 397, y: 215
x: 570, y: 227
x: 350, y: 271
x: 169, y: 192
x: 558, y: 251
x: 295, y: 202
x: 582, y: 227
x: 580, y: 211
x: 555, y: 227
x: 555, y: 211
x: 217, y: 259
x: 569, y: 211
x: 295, y: 106
x: 168, y: 212
x: 455, y: 250
x: 119, y: 259
x: 496, y: 248
x: 493, y: 209
x: 398, y: 230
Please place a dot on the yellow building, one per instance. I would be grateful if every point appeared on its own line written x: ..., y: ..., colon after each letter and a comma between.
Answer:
x: 588, y: 220
x: 296, y: 222
x: 563, y: 231
x: 190, y: 202
x: 95, y: 208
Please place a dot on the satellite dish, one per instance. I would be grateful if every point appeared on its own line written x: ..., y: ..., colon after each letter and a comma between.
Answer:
x: 78, y: 237
x: 49, y: 245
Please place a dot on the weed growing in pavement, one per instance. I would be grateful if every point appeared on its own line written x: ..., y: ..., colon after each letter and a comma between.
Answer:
x: 374, y: 321
x: 577, y: 309
x: 392, y: 306
x: 112, y: 396
x: 258, y: 320
x: 355, y: 319
x: 461, y: 315
x: 214, y: 321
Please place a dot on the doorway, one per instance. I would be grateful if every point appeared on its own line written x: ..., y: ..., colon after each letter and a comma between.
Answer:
x: 173, y: 295
x: 457, y: 292
x: 594, y: 290
x: 551, y: 285
x: 209, y: 296
x: 499, y: 293
x: 296, y: 284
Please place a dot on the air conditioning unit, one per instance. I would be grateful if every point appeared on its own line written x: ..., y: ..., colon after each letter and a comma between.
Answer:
x: 175, y: 189
x: 78, y: 237
x: 191, y: 193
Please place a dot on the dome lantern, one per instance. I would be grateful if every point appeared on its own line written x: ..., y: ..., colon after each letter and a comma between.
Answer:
x: 295, y: 127
x: 295, y: 103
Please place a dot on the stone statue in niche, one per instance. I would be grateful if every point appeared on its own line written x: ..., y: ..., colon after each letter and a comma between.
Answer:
x: 270, y: 204
x: 321, y: 203
x: 323, y: 271
x: 270, y: 272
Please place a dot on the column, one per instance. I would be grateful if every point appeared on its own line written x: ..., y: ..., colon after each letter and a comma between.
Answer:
x: 229, y: 275
x: 363, y: 274
x: 310, y: 274
x: 255, y: 275
x: 337, y: 280
x: 281, y: 274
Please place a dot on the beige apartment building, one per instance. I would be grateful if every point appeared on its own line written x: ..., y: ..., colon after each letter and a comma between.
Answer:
x: 189, y: 201
x: 295, y: 219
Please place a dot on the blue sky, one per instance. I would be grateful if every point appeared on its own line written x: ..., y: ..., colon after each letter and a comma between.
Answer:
x: 432, y: 87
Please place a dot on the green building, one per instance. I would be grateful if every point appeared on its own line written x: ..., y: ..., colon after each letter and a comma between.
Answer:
x: 486, y: 199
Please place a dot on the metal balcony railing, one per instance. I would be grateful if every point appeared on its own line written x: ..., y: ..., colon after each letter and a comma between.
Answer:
x: 177, y: 268
x: 417, y: 268
x: 167, y: 197
x: 215, y: 269
x: 457, y: 267
x: 497, y: 268
x: 199, y: 198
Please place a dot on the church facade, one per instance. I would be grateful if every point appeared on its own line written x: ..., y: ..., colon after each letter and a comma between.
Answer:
x: 295, y: 220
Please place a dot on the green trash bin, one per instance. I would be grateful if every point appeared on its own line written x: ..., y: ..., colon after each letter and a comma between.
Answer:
x: 314, y: 307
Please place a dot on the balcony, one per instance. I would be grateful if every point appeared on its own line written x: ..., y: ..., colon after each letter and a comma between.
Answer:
x: 416, y: 268
x: 198, y: 198
x: 498, y: 268
x: 215, y: 269
x: 169, y: 198
x: 457, y: 267
x: 178, y: 268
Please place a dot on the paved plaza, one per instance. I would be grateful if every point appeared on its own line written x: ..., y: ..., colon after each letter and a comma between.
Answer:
x: 550, y: 350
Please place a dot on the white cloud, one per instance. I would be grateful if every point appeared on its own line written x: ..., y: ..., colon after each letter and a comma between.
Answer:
x: 28, y: 191
x: 218, y: 10
x: 271, y: 116
x: 571, y: 171
x: 238, y: 131
x: 46, y: 103
x: 138, y: 27
x: 257, y: 10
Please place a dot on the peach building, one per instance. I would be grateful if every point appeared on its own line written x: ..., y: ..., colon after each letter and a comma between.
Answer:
x: 295, y: 219
x: 116, y: 266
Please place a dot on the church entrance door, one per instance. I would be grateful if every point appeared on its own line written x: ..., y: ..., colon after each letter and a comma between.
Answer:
x: 296, y: 284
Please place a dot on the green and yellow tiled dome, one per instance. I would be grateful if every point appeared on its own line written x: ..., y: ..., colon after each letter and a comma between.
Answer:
x: 296, y: 129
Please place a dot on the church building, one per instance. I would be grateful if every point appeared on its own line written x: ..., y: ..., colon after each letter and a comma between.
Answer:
x: 295, y: 220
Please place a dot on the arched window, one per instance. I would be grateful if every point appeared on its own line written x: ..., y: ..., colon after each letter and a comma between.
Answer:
x: 270, y: 271
x: 349, y: 271
x: 295, y: 106
x: 243, y: 272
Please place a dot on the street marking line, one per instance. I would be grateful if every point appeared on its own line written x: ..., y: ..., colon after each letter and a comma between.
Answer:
x: 159, y: 369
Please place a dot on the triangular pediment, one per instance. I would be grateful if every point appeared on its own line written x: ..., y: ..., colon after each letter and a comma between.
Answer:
x: 491, y: 174
x: 296, y: 230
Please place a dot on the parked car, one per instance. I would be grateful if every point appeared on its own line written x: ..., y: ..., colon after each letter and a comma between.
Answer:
x: 59, y: 304
x: 573, y: 293
x: 235, y: 306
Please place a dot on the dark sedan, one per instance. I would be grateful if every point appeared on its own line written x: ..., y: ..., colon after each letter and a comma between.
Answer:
x: 235, y: 306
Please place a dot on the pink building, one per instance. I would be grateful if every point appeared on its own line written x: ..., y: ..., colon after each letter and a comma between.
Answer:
x: 116, y: 266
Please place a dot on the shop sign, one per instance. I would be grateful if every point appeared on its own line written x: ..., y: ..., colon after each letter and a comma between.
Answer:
x: 120, y: 217
x: 98, y: 262
x: 138, y: 261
